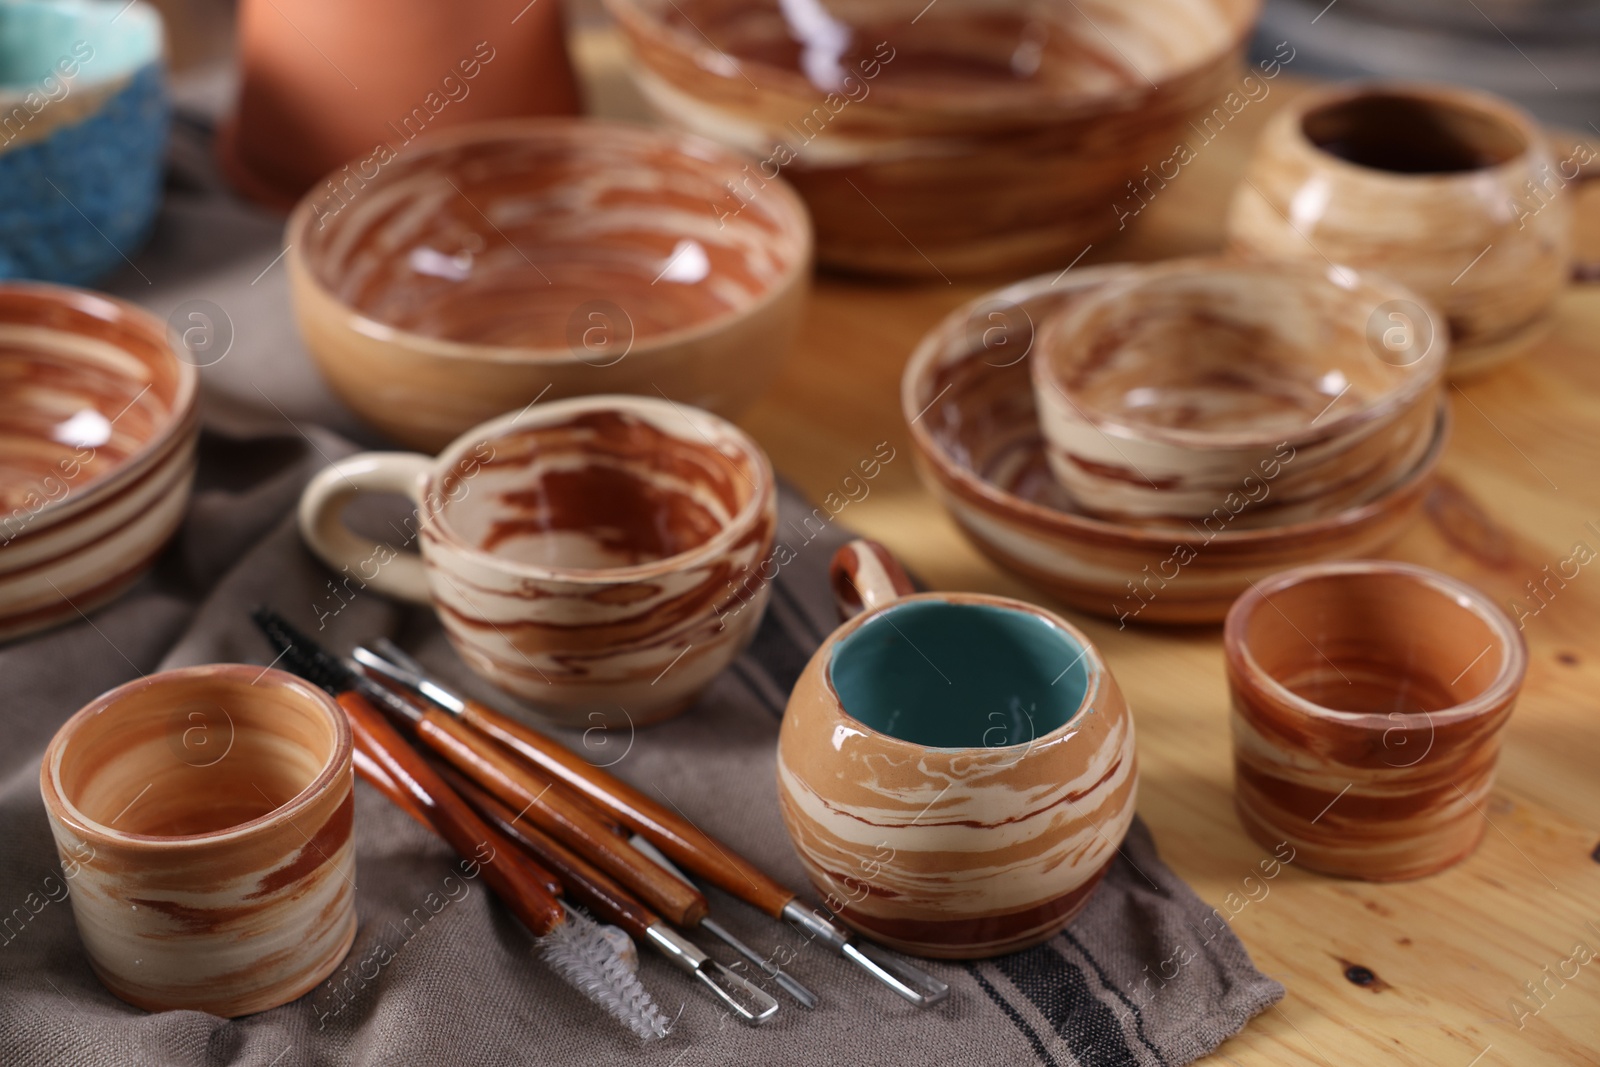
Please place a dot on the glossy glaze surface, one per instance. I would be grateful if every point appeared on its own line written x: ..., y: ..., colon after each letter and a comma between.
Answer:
x: 205, y: 817
x: 599, y: 558
x: 1162, y: 393
x: 965, y: 137
x: 1328, y: 182
x: 487, y: 265
x: 97, y: 439
x: 1368, y: 698
x: 968, y: 400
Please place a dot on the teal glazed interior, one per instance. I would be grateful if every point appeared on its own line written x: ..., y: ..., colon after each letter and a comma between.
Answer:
x: 960, y: 675
x: 36, y: 35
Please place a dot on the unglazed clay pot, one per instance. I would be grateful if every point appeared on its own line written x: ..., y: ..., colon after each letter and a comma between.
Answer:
x: 203, y: 817
x: 1165, y: 391
x: 513, y: 261
x: 969, y: 404
x: 1457, y: 194
x: 955, y: 771
x: 97, y: 450
x: 1368, y: 700
x: 596, y: 557
x: 322, y: 85
x: 956, y: 137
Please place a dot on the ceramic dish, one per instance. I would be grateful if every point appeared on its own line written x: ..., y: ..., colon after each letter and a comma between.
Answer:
x: 1368, y: 700
x: 97, y: 439
x: 968, y: 400
x: 511, y: 261
x: 83, y: 141
x: 962, y: 136
x: 204, y: 817
x: 1161, y: 393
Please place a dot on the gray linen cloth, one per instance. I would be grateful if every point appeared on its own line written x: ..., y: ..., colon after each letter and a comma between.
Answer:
x: 1146, y: 975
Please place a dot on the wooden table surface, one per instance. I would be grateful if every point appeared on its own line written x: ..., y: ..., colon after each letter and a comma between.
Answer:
x: 1520, y: 489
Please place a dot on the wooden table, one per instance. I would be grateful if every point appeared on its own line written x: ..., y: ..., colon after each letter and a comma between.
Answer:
x: 1520, y: 488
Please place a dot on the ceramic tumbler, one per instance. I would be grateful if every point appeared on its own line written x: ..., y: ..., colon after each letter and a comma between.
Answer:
x: 1368, y: 701
x: 204, y: 816
x: 956, y: 771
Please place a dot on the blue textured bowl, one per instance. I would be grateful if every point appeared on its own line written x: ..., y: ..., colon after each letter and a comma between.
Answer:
x: 83, y: 130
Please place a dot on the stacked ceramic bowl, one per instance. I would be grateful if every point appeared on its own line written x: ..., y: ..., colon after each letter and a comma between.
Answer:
x: 97, y: 440
x: 1144, y: 442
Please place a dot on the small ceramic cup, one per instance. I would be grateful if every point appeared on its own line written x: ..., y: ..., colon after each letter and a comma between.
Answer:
x: 1165, y: 392
x: 204, y: 818
x: 956, y: 771
x: 1368, y: 699
x: 599, y: 557
x: 1455, y: 193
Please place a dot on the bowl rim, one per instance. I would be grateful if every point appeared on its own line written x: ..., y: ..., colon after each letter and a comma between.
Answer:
x: 959, y: 101
x: 930, y: 351
x: 60, y: 807
x: 91, y: 17
x: 791, y: 210
x: 185, y: 400
x: 1419, y: 376
x: 1500, y: 691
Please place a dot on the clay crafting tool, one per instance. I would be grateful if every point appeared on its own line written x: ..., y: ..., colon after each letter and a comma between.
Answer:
x: 673, y: 834
x: 574, y: 946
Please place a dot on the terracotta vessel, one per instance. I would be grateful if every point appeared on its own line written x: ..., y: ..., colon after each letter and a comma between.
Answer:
x: 203, y: 817
x: 492, y: 266
x: 958, y: 137
x: 955, y: 771
x: 969, y: 403
x: 97, y: 439
x: 600, y: 558
x: 1366, y: 730
x: 1455, y: 193
x: 322, y: 85
x: 1161, y: 393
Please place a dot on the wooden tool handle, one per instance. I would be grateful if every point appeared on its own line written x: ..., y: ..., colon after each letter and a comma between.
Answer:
x: 549, y: 807
x: 521, y: 886
x: 683, y: 842
x: 585, y: 883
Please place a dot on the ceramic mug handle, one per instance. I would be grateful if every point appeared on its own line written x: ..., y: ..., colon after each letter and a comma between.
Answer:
x: 1587, y: 173
x: 395, y: 572
x: 865, y: 577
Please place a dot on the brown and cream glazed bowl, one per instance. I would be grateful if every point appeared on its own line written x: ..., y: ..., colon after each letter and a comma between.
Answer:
x: 963, y: 136
x: 1162, y: 392
x: 968, y: 399
x: 97, y: 450
x: 494, y: 264
x: 1368, y: 700
x: 204, y: 818
x: 956, y: 771
x: 598, y: 557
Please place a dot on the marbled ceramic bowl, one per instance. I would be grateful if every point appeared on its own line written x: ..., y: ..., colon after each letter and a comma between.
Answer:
x: 955, y: 771
x: 956, y: 137
x: 83, y: 137
x: 598, y: 557
x: 967, y: 397
x: 495, y: 264
x: 203, y: 816
x: 1163, y: 392
x: 1368, y: 699
x: 97, y: 439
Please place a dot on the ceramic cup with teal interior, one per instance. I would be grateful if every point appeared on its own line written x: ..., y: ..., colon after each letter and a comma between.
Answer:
x: 83, y: 129
x: 956, y: 771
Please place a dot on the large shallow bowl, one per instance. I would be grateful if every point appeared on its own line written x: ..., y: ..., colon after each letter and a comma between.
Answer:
x: 97, y: 438
x: 501, y: 263
x: 967, y: 397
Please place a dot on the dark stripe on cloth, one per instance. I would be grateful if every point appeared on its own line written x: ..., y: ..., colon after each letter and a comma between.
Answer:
x: 1105, y: 980
x: 1015, y: 1016
x: 1061, y: 993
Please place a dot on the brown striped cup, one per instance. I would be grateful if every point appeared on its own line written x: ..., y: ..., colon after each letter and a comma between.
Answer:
x: 1368, y: 699
x: 955, y: 771
x: 601, y: 558
x: 204, y: 817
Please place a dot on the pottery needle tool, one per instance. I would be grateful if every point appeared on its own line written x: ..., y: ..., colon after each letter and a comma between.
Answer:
x: 676, y: 837
x: 577, y: 949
